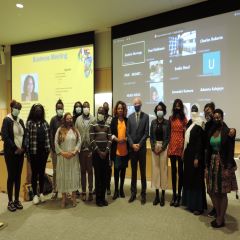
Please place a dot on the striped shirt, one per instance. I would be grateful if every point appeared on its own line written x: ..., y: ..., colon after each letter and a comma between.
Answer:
x: 100, y: 136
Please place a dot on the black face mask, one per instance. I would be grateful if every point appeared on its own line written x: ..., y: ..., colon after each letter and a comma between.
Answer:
x: 217, y: 123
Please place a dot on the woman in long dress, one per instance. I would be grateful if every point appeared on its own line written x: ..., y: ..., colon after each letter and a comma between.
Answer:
x: 67, y: 145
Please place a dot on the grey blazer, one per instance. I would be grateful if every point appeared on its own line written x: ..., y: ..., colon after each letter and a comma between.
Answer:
x: 138, y: 133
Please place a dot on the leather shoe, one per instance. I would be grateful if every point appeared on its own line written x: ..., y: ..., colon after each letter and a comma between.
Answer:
x: 105, y: 203
x: 173, y: 201
x: 132, y: 198
x: 162, y: 201
x: 143, y: 200
x: 156, y: 201
x: 99, y: 204
x: 122, y: 194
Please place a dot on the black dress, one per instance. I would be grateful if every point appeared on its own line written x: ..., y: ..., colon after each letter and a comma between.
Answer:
x: 194, y: 194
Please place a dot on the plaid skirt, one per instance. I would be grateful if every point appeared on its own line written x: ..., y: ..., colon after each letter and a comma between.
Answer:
x: 220, y: 179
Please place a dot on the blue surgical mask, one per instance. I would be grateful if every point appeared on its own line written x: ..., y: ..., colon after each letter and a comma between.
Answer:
x: 15, y: 112
x: 137, y: 108
x: 78, y: 110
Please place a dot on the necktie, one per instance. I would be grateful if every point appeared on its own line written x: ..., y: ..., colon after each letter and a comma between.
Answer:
x: 137, y: 119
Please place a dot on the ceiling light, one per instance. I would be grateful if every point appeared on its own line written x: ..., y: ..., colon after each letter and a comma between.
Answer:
x: 19, y: 5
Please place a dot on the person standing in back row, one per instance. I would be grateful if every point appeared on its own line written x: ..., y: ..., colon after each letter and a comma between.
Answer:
x: 137, y: 134
x: 55, y: 123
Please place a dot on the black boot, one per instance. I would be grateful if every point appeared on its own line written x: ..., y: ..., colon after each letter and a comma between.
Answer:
x: 115, y: 195
x: 122, y: 179
x: 162, y: 200
x: 174, y: 198
x: 177, y: 202
x: 156, y: 200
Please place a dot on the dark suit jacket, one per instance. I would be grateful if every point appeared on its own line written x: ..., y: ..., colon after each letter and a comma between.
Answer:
x: 226, y: 148
x: 138, y: 133
x: 114, y: 131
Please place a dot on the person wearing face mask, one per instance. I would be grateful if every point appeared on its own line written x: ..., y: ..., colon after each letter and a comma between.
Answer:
x: 67, y: 146
x: 13, y: 135
x: 54, y: 125
x: 108, y: 120
x: 77, y: 111
x: 137, y: 134
x: 83, y: 124
x: 178, y: 123
x: 194, y: 194
x: 101, y: 140
x: 220, y: 167
x: 38, y: 148
x: 159, y: 139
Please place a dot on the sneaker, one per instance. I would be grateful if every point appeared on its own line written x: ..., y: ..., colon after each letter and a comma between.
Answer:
x: 18, y: 205
x: 35, y: 199
x: 11, y: 207
x: 42, y: 198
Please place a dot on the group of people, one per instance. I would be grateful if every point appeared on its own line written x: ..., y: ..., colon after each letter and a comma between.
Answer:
x: 82, y: 146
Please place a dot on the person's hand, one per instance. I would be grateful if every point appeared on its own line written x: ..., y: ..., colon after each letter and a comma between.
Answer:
x: 135, y: 147
x: 121, y: 141
x: 102, y: 155
x: 206, y: 173
x: 67, y: 155
x: 232, y: 132
x: 156, y: 152
x: 90, y: 154
x: 18, y: 151
x: 195, y: 163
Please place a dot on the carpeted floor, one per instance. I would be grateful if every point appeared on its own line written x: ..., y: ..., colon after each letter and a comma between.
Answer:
x: 120, y: 220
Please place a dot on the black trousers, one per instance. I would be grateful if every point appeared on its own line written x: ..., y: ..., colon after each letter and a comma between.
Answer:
x: 109, y: 176
x: 38, y: 164
x: 178, y: 159
x: 100, y: 171
x: 140, y: 157
x: 14, y: 165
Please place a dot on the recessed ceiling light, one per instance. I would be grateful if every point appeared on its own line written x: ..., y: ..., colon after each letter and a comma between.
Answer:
x: 19, y: 5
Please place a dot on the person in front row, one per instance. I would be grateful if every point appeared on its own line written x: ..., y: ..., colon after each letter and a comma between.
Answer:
x: 119, y: 151
x: 159, y: 139
x: 67, y: 146
x: 221, y: 167
x: 137, y: 134
x: 83, y: 124
x: 13, y: 135
x: 100, y: 138
x: 55, y: 123
x: 194, y: 193
x: 38, y: 148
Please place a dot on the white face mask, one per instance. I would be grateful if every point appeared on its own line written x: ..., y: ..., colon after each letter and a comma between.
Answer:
x: 78, y: 110
x: 100, y: 117
x: 160, y: 114
x: 15, y: 112
x: 86, y: 111
x: 194, y: 114
x: 60, y: 112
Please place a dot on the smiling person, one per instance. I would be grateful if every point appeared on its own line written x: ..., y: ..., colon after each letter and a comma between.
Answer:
x: 13, y: 134
x: 67, y: 145
x: 29, y: 93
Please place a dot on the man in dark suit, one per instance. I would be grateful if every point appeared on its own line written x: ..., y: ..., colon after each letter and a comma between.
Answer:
x: 137, y: 134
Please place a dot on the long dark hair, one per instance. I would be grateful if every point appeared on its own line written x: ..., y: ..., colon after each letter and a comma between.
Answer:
x: 75, y: 115
x: 32, y: 114
x: 180, y: 114
x: 25, y: 84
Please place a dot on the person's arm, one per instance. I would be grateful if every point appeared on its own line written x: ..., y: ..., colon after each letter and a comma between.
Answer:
x: 5, y: 135
x: 152, y: 136
x: 79, y: 142
x: 146, y: 132
x: 92, y: 138
x: 52, y: 135
x: 109, y: 137
x: 56, y: 143
x: 129, y: 138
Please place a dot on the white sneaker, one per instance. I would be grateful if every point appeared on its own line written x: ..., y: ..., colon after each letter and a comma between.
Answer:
x: 42, y: 198
x: 35, y: 200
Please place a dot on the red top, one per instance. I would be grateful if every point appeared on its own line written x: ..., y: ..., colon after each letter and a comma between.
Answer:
x: 176, y: 143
